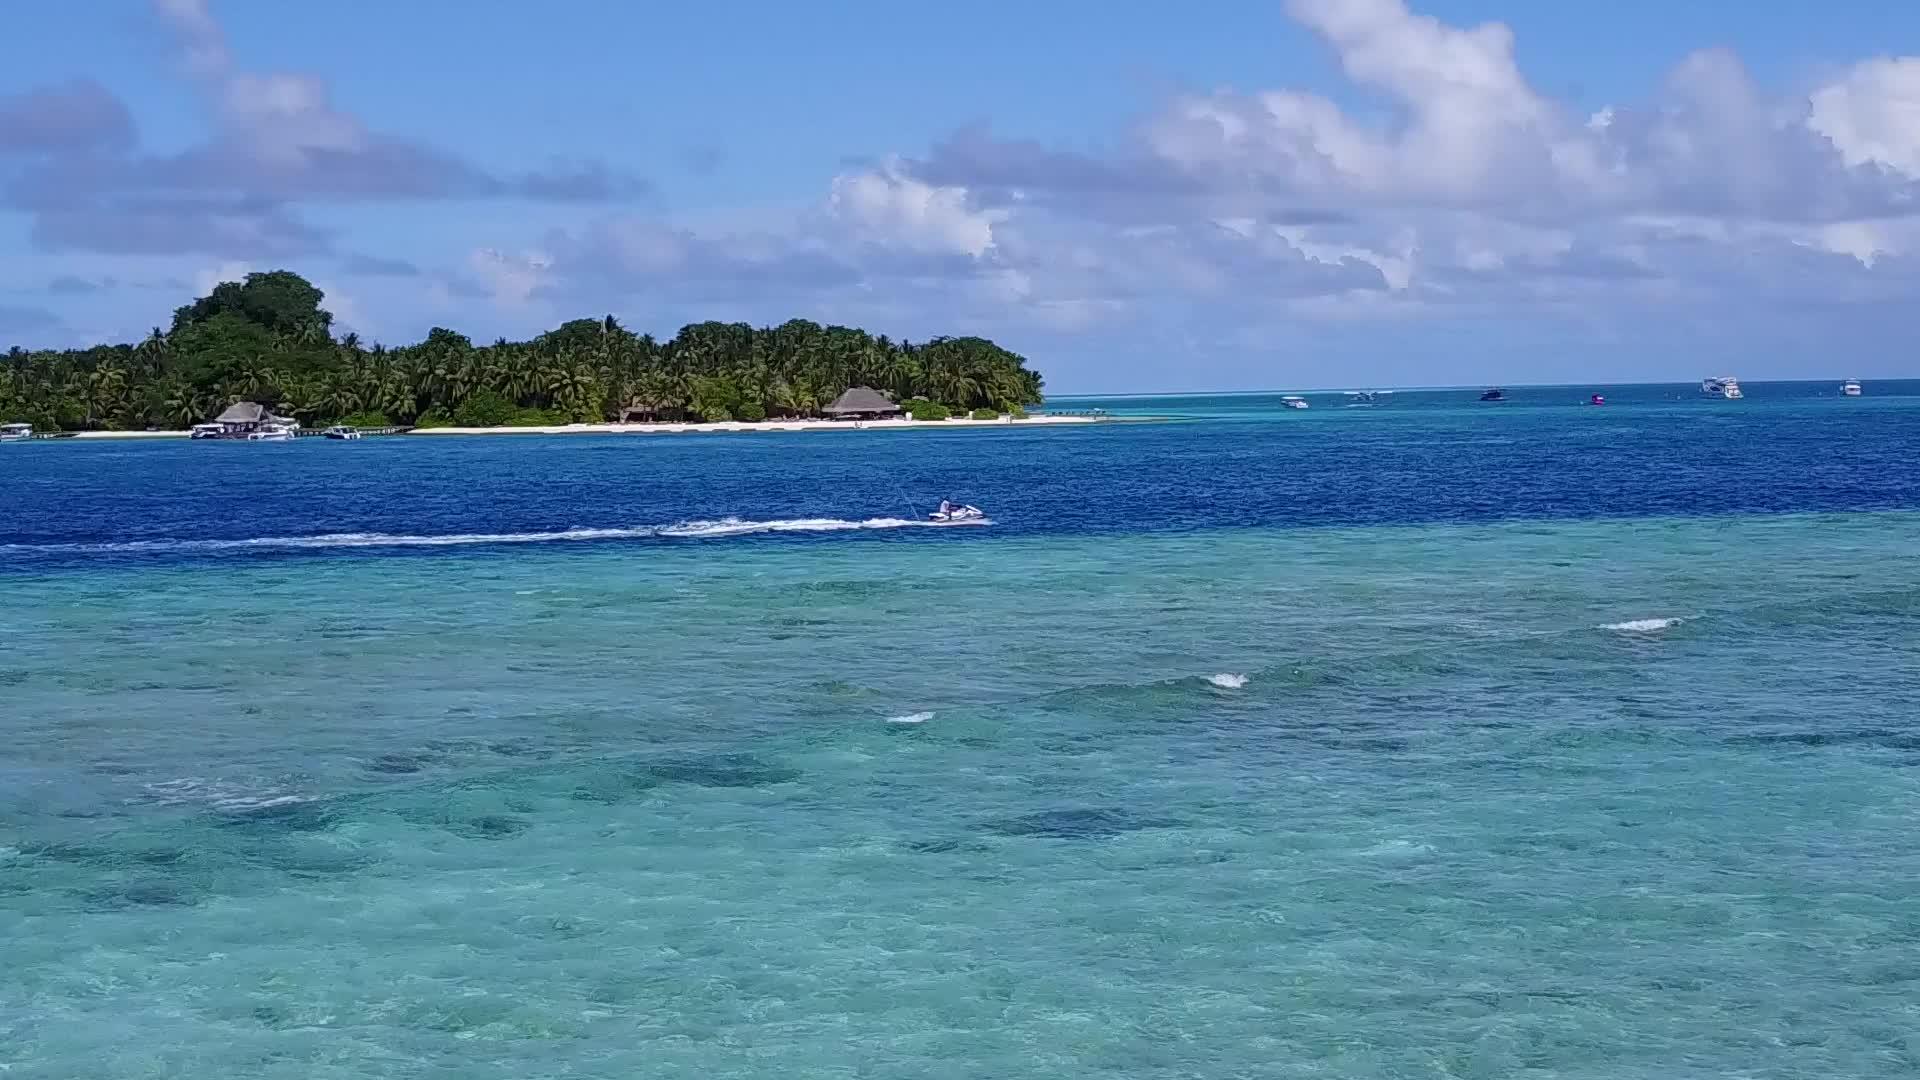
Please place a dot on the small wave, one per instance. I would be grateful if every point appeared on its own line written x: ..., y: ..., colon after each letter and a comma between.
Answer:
x: 1640, y: 626
x: 1227, y: 680
x: 1396, y: 849
x: 234, y: 798
x: 911, y: 718
x: 681, y: 530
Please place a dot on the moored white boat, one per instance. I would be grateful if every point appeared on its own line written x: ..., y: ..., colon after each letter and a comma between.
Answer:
x: 15, y: 432
x: 206, y: 431
x: 271, y: 433
x: 341, y: 431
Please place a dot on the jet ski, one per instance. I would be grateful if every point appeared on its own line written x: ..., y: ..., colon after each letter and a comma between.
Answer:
x: 954, y: 513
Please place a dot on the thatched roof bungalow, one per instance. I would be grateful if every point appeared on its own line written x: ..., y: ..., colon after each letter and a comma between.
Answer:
x: 861, y: 403
x: 245, y: 416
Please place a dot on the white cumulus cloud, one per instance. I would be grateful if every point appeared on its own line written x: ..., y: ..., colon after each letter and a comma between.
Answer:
x: 890, y: 208
x: 1872, y: 115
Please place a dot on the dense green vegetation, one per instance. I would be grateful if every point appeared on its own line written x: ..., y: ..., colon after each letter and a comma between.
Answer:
x: 922, y: 409
x: 267, y: 339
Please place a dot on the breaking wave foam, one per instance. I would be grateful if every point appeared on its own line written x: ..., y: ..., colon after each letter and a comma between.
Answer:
x: 681, y: 530
x: 1228, y: 681
x: 911, y: 718
x: 220, y: 795
x: 1640, y: 626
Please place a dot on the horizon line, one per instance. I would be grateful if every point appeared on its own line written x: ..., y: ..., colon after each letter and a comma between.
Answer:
x: 1431, y: 389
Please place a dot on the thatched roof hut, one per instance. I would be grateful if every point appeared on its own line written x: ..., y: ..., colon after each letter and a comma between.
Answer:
x: 642, y: 407
x: 861, y: 402
x: 244, y: 416
x: 244, y: 412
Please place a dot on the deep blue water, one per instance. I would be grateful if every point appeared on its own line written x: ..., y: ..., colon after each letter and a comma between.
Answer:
x: 1427, y: 457
x: 1428, y: 740
x: 1641, y: 396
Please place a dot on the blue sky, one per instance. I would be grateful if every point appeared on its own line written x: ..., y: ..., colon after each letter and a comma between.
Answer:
x: 1219, y: 194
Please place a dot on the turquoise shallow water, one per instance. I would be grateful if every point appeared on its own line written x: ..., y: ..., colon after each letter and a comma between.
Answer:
x: 1554, y: 796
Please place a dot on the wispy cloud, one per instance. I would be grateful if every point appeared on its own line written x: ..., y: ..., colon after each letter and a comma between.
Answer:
x: 279, y: 143
x: 375, y: 266
x: 1238, y: 217
x: 18, y: 324
x: 77, y: 117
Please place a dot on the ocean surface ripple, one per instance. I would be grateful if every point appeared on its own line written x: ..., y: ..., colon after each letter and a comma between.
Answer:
x: 1543, y: 742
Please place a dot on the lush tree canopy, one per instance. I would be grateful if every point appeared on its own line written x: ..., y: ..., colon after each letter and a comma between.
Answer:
x: 267, y: 339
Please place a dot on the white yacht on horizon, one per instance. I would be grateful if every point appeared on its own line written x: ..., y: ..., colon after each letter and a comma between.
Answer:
x: 1850, y: 388
x: 1725, y: 386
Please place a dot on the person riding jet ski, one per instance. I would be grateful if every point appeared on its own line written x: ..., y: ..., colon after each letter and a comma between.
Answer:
x: 952, y: 511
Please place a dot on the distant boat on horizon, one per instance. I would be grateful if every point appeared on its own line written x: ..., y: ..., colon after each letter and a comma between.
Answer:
x: 1850, y: 388
x: 1725, y: 386
x: 1495, y: 394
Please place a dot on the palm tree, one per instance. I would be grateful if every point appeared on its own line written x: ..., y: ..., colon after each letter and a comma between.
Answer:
x: 102, y: 390
x: 152, y: 352
x: 586, y: 367
x: 250, y: 378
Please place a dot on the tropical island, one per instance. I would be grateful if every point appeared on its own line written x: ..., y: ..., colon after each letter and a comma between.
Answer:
x: 267, y: 339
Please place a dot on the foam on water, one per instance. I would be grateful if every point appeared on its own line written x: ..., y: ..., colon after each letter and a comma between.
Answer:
x: 1396, y: 849
x: 911, y: 718
x: 1227, y: 680
x: 219, y: 795
x: 722, y: 527
x: 737, y: 527
x: 1641, y: 626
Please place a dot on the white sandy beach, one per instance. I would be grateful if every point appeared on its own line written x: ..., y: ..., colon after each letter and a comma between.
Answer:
x: 688, y: 428
x: 757, y: 425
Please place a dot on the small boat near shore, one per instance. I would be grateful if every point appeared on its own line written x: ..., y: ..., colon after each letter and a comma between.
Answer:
x: 206, y: 431
x: 341, y: 431
x: 15, y: 432
x: 271, y: 433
